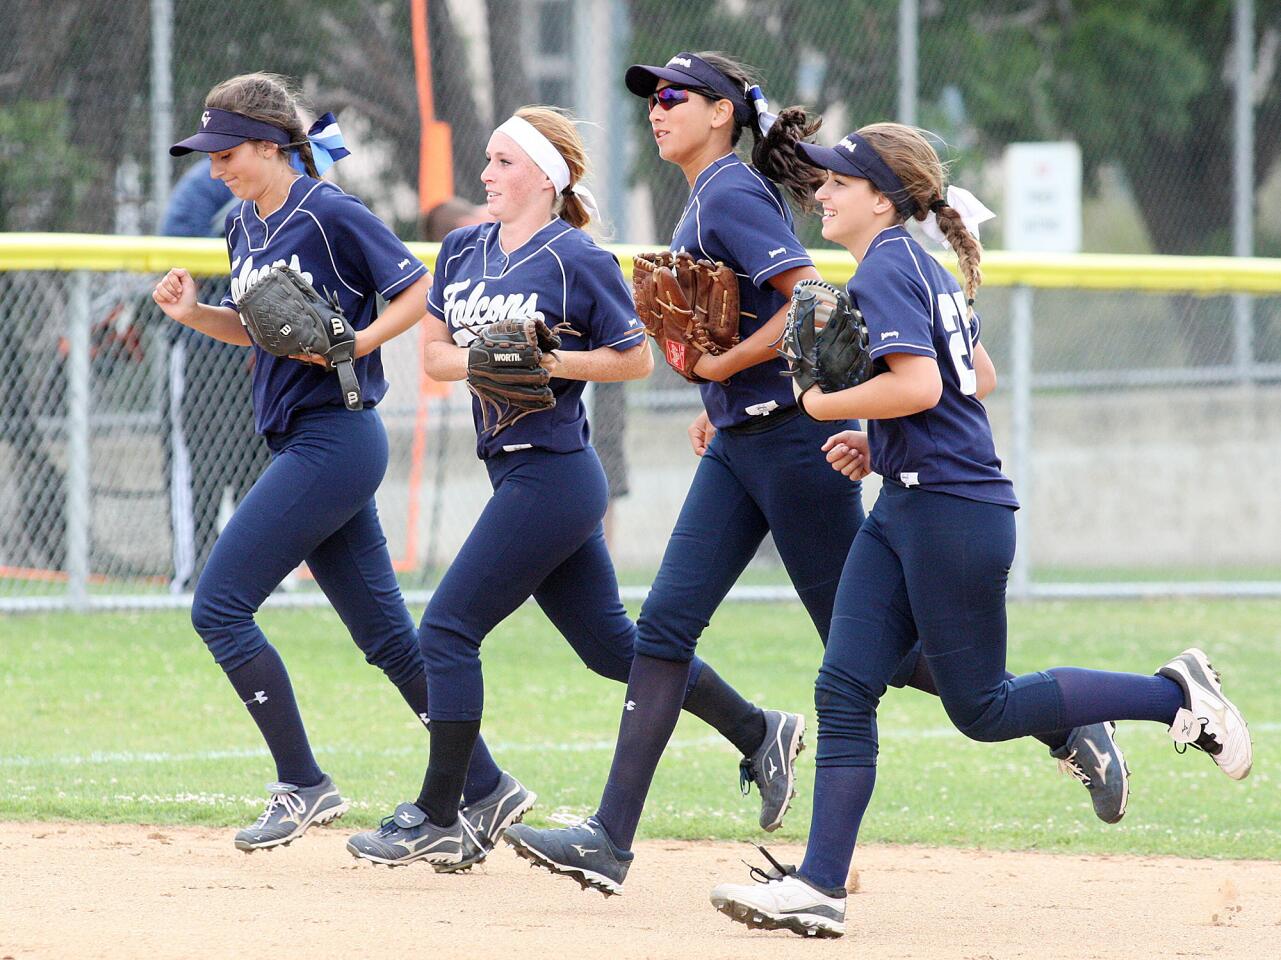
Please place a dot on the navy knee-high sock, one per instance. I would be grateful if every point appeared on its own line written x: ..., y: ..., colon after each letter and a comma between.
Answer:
x: 715, y: 702
x: 452, y: 745
x: 655, y: 689
x: 1091, y: 696
x: 841, y: 795
x: 263, y: 685
x: 483, y: 773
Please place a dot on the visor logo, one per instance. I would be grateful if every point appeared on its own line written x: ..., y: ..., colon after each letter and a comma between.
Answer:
x: 680, y: 62
x: 204, y: 119
x: 848, y: 144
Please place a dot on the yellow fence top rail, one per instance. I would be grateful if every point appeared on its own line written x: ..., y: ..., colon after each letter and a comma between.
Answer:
x: 1086, y: 271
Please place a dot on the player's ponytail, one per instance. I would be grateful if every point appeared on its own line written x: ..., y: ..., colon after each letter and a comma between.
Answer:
x: 272, y: 99
x: 773, y: 153
x: 908, y: 152
x: 558, y: 127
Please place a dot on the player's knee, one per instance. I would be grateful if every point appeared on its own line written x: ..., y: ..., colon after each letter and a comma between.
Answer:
x: 207, y: 616
x: 982, y: 721
x: 666, y: 629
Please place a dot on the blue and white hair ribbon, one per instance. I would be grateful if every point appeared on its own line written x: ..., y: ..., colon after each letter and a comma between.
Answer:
x: 764, y: 119
x: 327, y: 146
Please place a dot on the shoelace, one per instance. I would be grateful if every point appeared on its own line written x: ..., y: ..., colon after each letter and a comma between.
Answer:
x: 1206, y: 735
x: 290, y: 801
x: 776, y: 872
x: 1073, y: 768
x: 746, y: 777
x: 572, y: 820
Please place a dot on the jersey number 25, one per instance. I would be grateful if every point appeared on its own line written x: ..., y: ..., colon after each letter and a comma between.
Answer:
x: 952, y: 310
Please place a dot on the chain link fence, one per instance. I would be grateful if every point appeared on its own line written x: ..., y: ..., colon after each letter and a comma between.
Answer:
x: 1141, y: 426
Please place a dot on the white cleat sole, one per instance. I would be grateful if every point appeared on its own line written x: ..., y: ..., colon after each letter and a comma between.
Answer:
x: 755, y: 918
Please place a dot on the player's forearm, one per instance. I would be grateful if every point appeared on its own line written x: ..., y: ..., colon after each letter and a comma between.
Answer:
x: 602, y: 365
x: 445, y: 361
x: 883, y: 397
x: 757, y: 348
x: 404, y: 311
x: 221, y: 323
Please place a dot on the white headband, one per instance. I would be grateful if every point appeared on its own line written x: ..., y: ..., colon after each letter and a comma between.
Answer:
x: 547, y: 158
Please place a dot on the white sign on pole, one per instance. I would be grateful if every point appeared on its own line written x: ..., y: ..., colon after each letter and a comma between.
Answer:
x: 1043, y: 197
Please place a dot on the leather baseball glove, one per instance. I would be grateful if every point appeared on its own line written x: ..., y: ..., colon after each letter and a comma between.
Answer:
x: 504, y: 373
x: 690, y: 307
x: 825, y: 340
x: 285, y: 316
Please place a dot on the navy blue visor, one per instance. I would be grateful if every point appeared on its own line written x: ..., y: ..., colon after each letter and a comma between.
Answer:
x: 693, y: 72
x: 854, y: 157
x: 222, y: 129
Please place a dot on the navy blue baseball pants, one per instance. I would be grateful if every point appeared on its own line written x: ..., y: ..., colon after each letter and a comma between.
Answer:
x: 769, y: 478
x: 539, y: 535
x: 314, y: 502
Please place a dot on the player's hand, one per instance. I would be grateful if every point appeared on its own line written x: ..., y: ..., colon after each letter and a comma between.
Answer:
x: 701, y: 432
x: 175, y: 294
x: 848, y: 453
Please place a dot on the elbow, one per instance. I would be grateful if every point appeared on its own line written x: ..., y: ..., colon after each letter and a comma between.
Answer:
x: 926, y: 396
x: 987, y: 384
x: 642, y: 362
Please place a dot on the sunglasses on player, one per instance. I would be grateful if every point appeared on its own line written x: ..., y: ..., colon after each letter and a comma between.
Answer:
x: 669, y: 97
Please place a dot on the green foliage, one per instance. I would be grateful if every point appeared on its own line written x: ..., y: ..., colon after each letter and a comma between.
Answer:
x: 124, y: 717
x: 42, y: 176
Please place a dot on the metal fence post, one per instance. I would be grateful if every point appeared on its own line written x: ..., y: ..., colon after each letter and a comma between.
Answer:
x: 78, y: 402
x: 1021, y: 424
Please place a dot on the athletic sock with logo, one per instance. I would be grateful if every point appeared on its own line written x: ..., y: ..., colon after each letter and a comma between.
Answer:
x: 655, y: 690
x: 841, y: 795
x: 483, y: 773
x: 714, y: 701
x: 452, y: 745
x: 263, y: 685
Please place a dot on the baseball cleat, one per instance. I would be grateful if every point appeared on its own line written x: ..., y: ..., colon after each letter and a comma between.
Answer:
x: 782, y: 900
x: 1092, y: 757
x: 583, y: 853
x: 407, y: 836
x: 773, y: 766
x: 489, y: 816
x: 1208, y: 720
x: 290, y: 811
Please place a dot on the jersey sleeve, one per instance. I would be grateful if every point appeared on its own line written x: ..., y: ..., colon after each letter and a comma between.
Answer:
x: 367, y: 246
x: 897, y: 308
x: 232, y: 224
x: 436, y: 296
x: 754, y: 227
x: 600, y: 296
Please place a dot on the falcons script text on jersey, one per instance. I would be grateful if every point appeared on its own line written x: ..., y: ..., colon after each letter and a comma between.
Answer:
x: 248, y: 276
x: 470, y: 313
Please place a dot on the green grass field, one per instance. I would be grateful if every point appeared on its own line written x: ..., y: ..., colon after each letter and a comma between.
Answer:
x: 118, y: 717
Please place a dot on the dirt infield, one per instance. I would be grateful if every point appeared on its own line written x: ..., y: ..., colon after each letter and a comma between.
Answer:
x: 70, y: 891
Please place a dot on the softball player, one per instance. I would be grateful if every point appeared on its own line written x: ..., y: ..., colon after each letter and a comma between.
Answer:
x: 937, y: 547
x: 315, y: 502
x: 762, y: 468
x: 541, y: 533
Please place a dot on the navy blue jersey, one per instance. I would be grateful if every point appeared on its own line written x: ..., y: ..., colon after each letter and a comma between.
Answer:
x: 559, y: 276
x: 737, y: 216
x: 913, y: 305
x: 340, y: 247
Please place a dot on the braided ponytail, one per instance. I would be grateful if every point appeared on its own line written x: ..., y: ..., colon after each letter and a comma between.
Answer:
x: 916, y: 163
